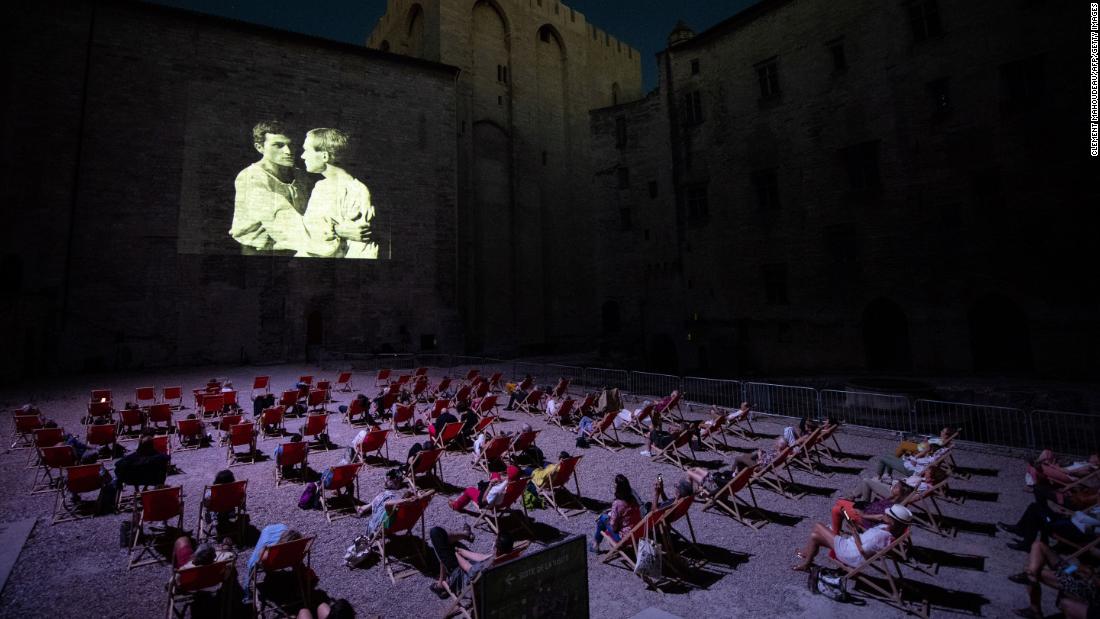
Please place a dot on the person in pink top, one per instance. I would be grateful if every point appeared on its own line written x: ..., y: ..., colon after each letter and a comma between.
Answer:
x: 625, y: 512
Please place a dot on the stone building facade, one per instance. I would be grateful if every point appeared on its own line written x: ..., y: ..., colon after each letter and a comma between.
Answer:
x: 102, y: 102
x: 531, y: 71
x: 859, y: 186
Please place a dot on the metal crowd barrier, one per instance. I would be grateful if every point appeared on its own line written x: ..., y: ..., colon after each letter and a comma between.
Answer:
x: 782, y: 400
x: 1071, y: 433
x: 597, y: 378
x: 727, y: 393
x: 657, y: 385
x: 993, y: 425
x: 871, y: 410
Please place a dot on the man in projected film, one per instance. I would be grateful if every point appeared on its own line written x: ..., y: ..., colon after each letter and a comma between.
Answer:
x: 271, y: 198
x: 338, y: 199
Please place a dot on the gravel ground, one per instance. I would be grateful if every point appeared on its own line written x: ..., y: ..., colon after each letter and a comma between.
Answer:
x: 78, y: 569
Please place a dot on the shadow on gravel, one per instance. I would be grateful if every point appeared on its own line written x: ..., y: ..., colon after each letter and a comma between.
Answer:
x: 966, y: 470
x: 972, y: 495
x: 833, y: 469
x: 595, y: 506
x: 948, y: 599
x: 373, y: 460
x: 802, y: 489
x: 847, y: 456
x: 958, y: 525
x: 724, y: 557
x: 933, y: 559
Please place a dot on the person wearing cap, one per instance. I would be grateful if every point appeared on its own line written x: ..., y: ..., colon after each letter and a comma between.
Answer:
x: 852, y: 550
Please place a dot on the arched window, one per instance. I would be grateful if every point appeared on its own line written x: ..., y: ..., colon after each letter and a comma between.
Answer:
x: 886, y: 336
x: 1000, y: 339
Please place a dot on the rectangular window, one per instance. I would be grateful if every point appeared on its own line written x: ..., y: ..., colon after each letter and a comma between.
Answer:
x: 924, y: 19
x: 623, y: 174
x: 652, y: 189
x: 695, y: 67
x: 620, y: 132
x: 861, y: 163
x: 939, y: 93
x: 836, y: 51
x: 693, y: 108
x: 625, y: 224
x: 766, y: 185
x: 767, y: 76
x: 697, y: 202
x: 775, y: 283
x: 1023, y: 83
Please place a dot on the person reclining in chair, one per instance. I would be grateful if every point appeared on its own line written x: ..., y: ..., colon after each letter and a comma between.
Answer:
x: 853, y: 550
x: 458, y: 565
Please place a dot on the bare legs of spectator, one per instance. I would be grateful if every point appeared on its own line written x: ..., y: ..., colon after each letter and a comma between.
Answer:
x: 820, y: 537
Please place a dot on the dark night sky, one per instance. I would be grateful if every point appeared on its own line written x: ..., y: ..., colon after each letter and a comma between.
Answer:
x: 643, y: 24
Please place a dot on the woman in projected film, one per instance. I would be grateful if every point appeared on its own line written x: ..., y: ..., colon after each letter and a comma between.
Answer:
x: 272, y: 213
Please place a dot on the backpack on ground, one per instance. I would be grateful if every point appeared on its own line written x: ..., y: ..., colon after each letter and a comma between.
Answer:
x: 358, y: 552
x: 310, y: 498
x: 830, y: 583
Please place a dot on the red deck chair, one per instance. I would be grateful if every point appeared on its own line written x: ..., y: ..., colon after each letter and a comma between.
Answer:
x: 42, y: 438
x: 771, y: 476
x: 293, y: 556
x: 426, y: 462
x: 479, y: 389
x: 403, y: 518
x: 492, y: 450
x: 440, y: 389
x: 190, y: 433
x: 714, y: 435
x: 440, y: 405
x: 680, y: 510
x: 374, y: 443
x: 673, y: 404
x: 52, y: 461
x: 727, y: 500
x: 291, y: 454
x: 420, y: 371
x: 625, y: 549
x: 158, y: 414
x: 561, y: 388
x: 317, y: 400
x: 734, y: 426
x: 525, y: 384
x: 230, y: 399
x: 495, y: 382
x: 637, y: 424
x: 239, y: 435
x: 383, y: 378
x: 271, y: 421
x: 212, y: 404
x: 315, y: 426
x: 522, y: 441
x: 490, y: 516
x: 420, y: 387
x: 563, y: 416
x: 403, y: 414
x: 101, y: 395
x: 161, y: 505
x: 587, y: 405
x: 463, y: 394
x: 164, y: 446
x: 305, y: 380
x: 401, y: 382
x: 172, y: 396
x: 102, y: 435
x: 532, y: 403
x: 187, y: 583
x: 79, y: 480
x: 25, y: 425
x: 446, y: 437
x: 343, y: 382
x: 484, y: 425
x: 131, y: 420
x: 145, y: 396
x: 602, y: 432
x: 261, y: 384
x: 556, y: 484
x: 388, y: 401
x: 673, y: 454
x: 100, y: 410
x: 354, y: 412
x: 289, y: 399
x: 225, y: 422
x: 464, y: 598
x: 486, y: 405
x: 471, y: 375
x: 326, y: 386
x: 344, y: 484
x: 220, y: 499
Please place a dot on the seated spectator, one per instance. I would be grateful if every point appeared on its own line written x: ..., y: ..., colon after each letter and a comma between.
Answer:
x: 1079, y: 527
x: 863, y: 510
x: 695, y: 480
x: 185, y: 554
x: 486, y: 493
x: 389, y: 496
x: 288, y: 470
x: 413, y: 451
x: 743, y: 412
x: 1047, y: 464
x: 905, y: 466
x: 468, y: 418
x: 917, y: 445
x: 853, y: 550
x: 866, y: 489
x: 540, y: 475
x: 626, y: 416
x: 364, y: 406
x: 518, y: 395
x: 442, y: 420
x: 145, y: 466
x: 761, y: 457
x: 270, y: 535
x: 80, y: 449
x: 261, y: 402
x: 458, y: 565
x: 624, y: 514
x: 339, y: 609
x: 223, y: 519
x: 795, y: 436
x: 1074, y: 581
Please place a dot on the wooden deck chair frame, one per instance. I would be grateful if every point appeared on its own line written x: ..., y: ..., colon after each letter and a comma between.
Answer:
x: 804, y: 455
x: 168, y: 394
x: 24, y: 427
x: 494, y: 449
x: 168, y: 503
x: 714, y: 435
x: 485, y: 424
x: 52, y: 459
x: 128, y: 419
x: 303, y: 462
x: 680, y: 510
x: 602, y: 432
x: 625, y: 550
x: 351, y: 482
x: 490, y: 516
x: 926, y: 509
x: 426, y: 462
x: 241, y: 434
x: 199, y: 433
x: 42, y: 438
x: 554, y: 486
x: 463, y: 600
x: 522, y: 441
x: 374, y: 444
x: 532, y: 403
x: 343, y: 383
x: 829, y: 452
x: 158, y: 413
x: 563, y: 416
x: 401, y: 522
x: 674, y: 403
x: 144, y: 397
x: 382, y: 379
x: 771, y: 476
x: 233, y: 496
x: 727, y: 499
x: 734, y: 428
x: 636, y: 422
x: 404, y: 414
x: 883, y: 565
x: 316, y: 432
x: 299, y: 552
x: 271, y: 422
x: 317, y: 400
x: 448, y: 435
x: 187, y: 582
x: 671, y: 453
x: 78, y: 480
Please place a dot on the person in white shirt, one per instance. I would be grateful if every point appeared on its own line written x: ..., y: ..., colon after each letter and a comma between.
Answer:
x: 336, y: 200
x: 852, y: 550
x: 626, y: 415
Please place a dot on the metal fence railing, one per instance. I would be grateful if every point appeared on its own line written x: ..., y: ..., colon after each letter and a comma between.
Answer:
x: 783, y: 400
x: 1065, y: 432
x: 872, y: 410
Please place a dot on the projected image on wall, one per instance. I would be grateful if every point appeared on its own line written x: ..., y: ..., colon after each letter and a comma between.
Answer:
x: 276, y: 210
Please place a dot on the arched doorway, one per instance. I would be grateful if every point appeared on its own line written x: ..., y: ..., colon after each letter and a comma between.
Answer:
x: 886, y: 337
x: 1000, y: 339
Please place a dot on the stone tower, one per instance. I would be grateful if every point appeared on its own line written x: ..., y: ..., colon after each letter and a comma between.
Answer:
x: 531, y: 71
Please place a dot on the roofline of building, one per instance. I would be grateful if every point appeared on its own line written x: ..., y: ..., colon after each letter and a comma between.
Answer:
x: 298, y: 37
x: 734, y: 22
